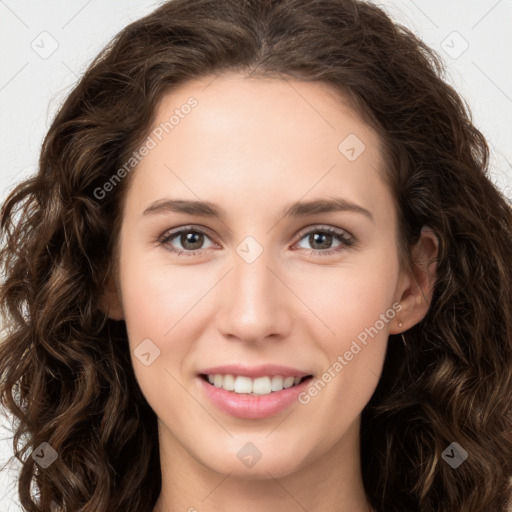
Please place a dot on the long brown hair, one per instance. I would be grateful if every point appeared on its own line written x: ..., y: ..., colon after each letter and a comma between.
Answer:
x: 65, y: 369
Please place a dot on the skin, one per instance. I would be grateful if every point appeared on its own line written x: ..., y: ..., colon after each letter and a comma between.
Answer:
x: 253, y: 146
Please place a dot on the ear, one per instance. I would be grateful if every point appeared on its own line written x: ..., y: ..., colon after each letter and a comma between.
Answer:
x: 415, y: 290
x: 110, y: 301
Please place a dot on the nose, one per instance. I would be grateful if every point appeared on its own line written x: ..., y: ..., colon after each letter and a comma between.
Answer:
x: 255, y: 304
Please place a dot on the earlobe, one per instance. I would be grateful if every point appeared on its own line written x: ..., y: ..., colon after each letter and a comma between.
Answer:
x: 417, y: 293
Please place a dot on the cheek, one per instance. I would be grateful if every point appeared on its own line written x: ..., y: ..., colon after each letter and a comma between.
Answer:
x: 156, y: 296
x: 159, y: 302
x: 353, y: 309
x: 350, y: 299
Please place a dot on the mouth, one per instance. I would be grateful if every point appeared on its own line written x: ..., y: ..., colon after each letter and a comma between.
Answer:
x: 252, y: 392
x: 259, y: 386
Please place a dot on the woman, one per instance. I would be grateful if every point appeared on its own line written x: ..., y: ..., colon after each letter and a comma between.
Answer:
x: 247, y: 371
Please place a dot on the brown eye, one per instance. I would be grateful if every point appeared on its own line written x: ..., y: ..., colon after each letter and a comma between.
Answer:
x: 321, y: 240
x: 190, y: 240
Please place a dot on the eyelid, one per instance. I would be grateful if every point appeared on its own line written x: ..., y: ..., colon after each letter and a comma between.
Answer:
x: 174, y: 232
x: 191, y: 227
x: 324, y: 227
x: 303, y: 231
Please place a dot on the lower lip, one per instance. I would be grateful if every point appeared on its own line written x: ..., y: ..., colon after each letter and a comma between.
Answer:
x: 252, y: 407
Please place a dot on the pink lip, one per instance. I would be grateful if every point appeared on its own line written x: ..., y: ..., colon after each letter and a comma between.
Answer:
x: 252, y: 407
x: 254, y: 371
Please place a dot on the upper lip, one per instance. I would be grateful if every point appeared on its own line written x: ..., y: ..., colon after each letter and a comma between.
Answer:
x: 262, y: 370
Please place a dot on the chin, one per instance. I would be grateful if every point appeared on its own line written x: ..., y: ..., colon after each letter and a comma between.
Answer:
x: 245, y: 461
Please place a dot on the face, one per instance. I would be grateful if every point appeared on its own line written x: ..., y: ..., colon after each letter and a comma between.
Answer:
x: 259, y: 290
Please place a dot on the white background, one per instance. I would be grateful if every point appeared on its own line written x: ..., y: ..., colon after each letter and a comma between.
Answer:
x: 33, y: 85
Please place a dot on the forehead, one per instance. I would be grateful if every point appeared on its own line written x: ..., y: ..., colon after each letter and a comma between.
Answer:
x: 248, y: 139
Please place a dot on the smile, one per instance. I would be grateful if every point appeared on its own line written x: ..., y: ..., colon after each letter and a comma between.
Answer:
x: 258, y: 386
x: 252, y: 392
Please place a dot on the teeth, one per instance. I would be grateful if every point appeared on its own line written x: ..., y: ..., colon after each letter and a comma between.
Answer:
x: 242, y: 384
x: 261, y: 386
x: 277, y: 383
x: 258, y: 386
x: 288, y: 382
x: 228, y: 383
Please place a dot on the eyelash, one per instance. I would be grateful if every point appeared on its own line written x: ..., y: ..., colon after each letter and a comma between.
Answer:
x: 342, y: 236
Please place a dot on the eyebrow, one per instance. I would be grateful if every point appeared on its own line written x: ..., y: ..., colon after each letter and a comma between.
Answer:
x: 297, y: 209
